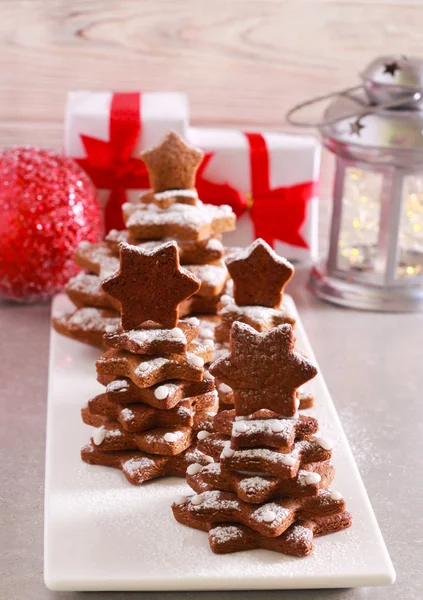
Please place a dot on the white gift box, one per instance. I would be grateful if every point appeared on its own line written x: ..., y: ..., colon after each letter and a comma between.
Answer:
x: 293, y: 160
x: 88, y: 114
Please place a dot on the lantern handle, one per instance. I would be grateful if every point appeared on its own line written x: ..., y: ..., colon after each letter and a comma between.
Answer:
x: 365, y: 108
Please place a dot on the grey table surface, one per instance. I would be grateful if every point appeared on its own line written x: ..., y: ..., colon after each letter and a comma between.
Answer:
x: 372, y: 364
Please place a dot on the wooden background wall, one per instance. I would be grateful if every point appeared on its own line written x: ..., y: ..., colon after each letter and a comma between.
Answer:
x: 242, y: 62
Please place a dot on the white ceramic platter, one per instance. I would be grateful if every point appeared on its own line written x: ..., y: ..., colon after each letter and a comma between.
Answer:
x: 101, y: 533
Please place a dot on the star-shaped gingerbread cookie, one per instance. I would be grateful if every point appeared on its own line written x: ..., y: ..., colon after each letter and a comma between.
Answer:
x: 259, y: 275
x: 264, y: 367
x: 150, y: 285
x: 172, y: 165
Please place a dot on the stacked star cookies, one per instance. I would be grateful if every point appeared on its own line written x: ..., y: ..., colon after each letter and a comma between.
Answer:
x: 171, y: 211
x: 269, y: 486
x: 156, y: 396
x: 259, y: 277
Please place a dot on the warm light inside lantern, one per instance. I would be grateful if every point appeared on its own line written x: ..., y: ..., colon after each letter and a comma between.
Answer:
x: 360, y: 219
x: 359, y: 244
x: 410, y: 261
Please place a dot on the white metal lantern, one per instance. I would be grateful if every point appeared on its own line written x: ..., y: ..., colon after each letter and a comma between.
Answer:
x: 375, y: 131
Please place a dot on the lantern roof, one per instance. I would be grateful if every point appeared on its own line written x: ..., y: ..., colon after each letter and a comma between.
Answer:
x: 380, y: 121
x: 391, y: 78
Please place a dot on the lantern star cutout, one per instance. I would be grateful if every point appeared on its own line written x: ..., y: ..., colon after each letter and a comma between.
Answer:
x: 264, y: 367
x: 391, y: 68
x: 356, y: 127
x: 150, y: 285
x: 259, y: 275
x: 173, y: 164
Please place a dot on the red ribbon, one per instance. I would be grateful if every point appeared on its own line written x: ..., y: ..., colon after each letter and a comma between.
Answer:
x: 218, y: 193
x: 277, y: 214
x: 109, y: 164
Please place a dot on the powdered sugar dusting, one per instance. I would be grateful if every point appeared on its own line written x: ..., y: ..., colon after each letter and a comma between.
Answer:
x: 210, y: 275
x: 253, y: 485
x: 222, y: 534
x: 245, y: 253
x: 183, y: 215
x: 268, y: 455
x: 169, y: 437
x: 277, y: 428
x: 127, y: 414
x: 85, y: 283
x: 134, y: 465
x: 264, y: 513
x: 214, y: 244
x: 91, y: 319
x: 111, y: 434
x: 213, y: 501
x: 147, y: 366
x: 308, y: 478
x: 212, y: 468
x: 188, y: 193
x: 118, y: 385
x: 298, y: 534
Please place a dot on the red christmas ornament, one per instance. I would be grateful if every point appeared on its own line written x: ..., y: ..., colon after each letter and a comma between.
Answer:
x: 47, y: 206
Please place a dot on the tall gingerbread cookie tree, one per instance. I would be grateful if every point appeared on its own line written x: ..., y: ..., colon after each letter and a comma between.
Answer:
x: 156, y: 397
x: 170, y: 211
x: 269, y: 486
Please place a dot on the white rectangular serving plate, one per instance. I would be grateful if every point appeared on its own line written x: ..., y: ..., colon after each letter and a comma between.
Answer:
x: 101, y: 533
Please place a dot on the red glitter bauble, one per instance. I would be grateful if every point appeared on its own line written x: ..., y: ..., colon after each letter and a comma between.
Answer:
x: 47, y: 206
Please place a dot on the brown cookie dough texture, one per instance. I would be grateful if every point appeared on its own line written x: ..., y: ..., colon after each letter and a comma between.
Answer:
x: 304, y: 399
x: 147, y: 370
x: 265, y: 428
x: 259, y: 275
x: 97, y: 258
x: 207, y: 251
x: 150, y: 285
x: 153, y: 339
x: 297, y: 540
x: 269, y: 519
x: 263, y: 369
x: 137, y: 417
x: 164, y: 396
x: 86, y: 324
x: 85, y: 290
x: 255, y: 293
x: 262, y: 488
x: 139, y: 467
x: 172, y: 165
x: 168, y: 197
x: 261, y: 318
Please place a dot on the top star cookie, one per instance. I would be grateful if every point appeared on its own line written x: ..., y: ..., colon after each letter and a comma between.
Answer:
x: 264, y: 366
x: 259, y: 275
x: 150, y: 285
x: 172, y: 165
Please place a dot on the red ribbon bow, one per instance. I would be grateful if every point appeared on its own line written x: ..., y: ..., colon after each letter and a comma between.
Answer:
x: 277, y: 214
x: 218, y: 193
x: 110, y: 164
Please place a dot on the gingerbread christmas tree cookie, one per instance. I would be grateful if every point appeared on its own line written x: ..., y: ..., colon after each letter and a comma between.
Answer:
x: 156, y: 398
x: 269, y: 484
x: 171, y: 211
